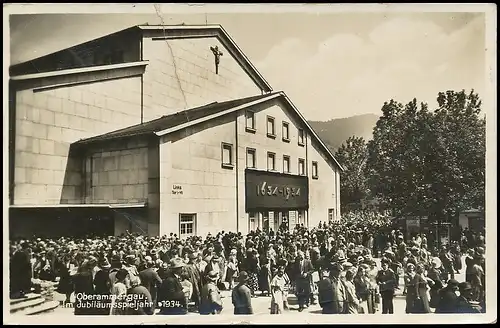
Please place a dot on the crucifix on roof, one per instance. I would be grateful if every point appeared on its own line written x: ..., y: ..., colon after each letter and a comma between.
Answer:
x: 217, y: 55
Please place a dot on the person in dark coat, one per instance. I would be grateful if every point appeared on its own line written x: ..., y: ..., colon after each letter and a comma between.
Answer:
x: 331, y: 292
x: 20, y: 272
x: 64, y: 270
x: 242, y: 296
x: 102, y: 286
x: 150, y: 279
x: 195, y: 279
x: 171, y: 298
x: 464, y: 303
x: 303, y: 268
x: 386, y: 279
x: 448, y: 298
x: 141, y: 302
x: 83, y: 286
x: 211, y: 301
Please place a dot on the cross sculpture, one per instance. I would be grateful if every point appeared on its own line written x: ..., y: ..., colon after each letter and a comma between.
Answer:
x: 217, y: 55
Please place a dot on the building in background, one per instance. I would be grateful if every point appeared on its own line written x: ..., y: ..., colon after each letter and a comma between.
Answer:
x: 157, y: 130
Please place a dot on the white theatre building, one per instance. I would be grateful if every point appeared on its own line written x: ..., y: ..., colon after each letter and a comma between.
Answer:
x: 152, y: 130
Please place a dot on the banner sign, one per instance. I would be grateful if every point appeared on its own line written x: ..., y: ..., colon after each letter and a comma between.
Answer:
x: 275, y: 191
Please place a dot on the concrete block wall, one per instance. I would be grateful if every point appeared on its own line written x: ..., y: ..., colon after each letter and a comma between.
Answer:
x: 181, y: 75
x: 263, y: 144
x: 190, y: 161
x: 324, y: 192
x: 47, y: 122
x: 119, y: 176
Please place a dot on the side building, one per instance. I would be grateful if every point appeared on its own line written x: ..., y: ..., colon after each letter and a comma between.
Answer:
x: 142, y: 131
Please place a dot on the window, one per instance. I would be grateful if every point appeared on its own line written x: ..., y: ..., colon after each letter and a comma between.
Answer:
x: 187, y: 225
x: 253, y: 221
x: 286, y: 132
x: 271, y: 161
x: 302, y: 166
x: 271, y: 130
x: 286, y: 164
x: 251, y: 160
x: 331, y: 214
x: 250, y: 121
x: 227, y: 155
x: 314, y: 170
x: 301, y: 137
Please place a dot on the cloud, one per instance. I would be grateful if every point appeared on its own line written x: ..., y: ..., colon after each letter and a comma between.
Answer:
x: 401, y: 58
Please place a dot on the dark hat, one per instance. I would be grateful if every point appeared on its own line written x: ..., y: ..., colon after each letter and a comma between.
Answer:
x: 453, y: 283
x: 176, y: 263
x: 463, y: 286
x: 213, y: 274
x: 192, y: 256
x: 243, y: 276
x: 336, y: 267
x: 104, y: 264
x: 386, y: 261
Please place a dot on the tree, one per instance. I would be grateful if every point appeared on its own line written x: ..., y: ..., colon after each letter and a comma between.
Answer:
x: 429, y: 163
x: 352, y: 155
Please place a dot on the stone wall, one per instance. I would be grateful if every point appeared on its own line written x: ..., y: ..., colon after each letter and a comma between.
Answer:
x: 47, y: 122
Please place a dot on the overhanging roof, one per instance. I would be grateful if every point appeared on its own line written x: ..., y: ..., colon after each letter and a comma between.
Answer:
x: 187, y: 31
x: 181, y: 120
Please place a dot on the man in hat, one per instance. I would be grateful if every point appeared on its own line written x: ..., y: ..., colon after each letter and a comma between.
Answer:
x: 464, y: 302
x: 150, y: 279
x: 171, y: 298
x: 102, y: 285
x: 303, y: 268
x: 447, y: 297
x: 195, y: 278
x: 130, y: 266
x: 213, y: 265
x: 242, y: 296
x: 331, y: 291
x: 387, y: 281
x: 211, y: 300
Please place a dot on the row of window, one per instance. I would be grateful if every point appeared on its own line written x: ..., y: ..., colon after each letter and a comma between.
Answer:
x: 251, y: 161
x: 271, y: 128
x: 187, y: 222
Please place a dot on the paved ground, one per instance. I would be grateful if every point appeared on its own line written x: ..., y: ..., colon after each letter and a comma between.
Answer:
x: 261, y: 304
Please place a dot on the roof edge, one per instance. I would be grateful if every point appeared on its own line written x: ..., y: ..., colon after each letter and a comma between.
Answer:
x: 222, y: 113
x: 221, y: 34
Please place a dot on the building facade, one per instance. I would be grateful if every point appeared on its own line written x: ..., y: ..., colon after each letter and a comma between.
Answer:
x: 172, y: 131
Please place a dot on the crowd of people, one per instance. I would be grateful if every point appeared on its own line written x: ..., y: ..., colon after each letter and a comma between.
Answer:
x: 333, y: 264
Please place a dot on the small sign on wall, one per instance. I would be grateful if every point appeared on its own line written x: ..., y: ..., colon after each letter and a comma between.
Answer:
x: 177, y: 190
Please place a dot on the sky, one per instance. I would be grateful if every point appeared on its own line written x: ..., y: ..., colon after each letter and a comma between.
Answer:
x: 331, y: 65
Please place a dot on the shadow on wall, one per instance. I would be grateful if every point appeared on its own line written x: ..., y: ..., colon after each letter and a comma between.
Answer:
x: 73, y: 183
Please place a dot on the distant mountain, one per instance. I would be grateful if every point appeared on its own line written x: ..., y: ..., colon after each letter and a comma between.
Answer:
x: 335, y: 132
